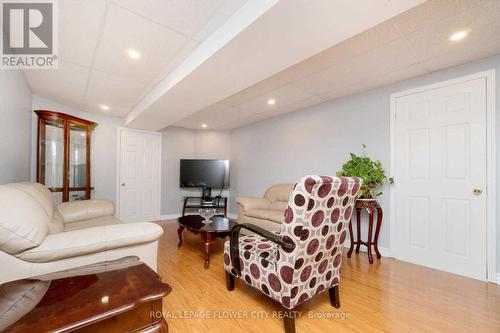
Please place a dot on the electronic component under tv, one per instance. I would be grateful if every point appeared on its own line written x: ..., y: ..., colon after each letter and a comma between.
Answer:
x: 204, y: 173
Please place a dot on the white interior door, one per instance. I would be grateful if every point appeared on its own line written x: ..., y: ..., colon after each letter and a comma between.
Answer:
x: 139, y: 175
x: 440, y: 178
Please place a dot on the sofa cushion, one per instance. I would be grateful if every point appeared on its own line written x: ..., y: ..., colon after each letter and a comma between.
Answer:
x: 40, y: 193
x: 45, y: 198
x: 95, y: 222
x: 275, y: 215
x: 266, y: 214
x: 250, y: 203
x: 279, y: 192
x: 265, y: 224
x: 57, y: 224
x: 23, y: 221
x: 86, y: 209
x: 279, y: 205
x: 91, y: 240
x: 18, y: 298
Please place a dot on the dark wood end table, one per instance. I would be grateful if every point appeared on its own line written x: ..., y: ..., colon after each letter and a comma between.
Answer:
x: 220, y: 227
x: 371, y: 207
x: 113, y: 296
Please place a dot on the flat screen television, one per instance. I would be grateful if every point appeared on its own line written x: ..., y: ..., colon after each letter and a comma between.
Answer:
x: 204, y: 173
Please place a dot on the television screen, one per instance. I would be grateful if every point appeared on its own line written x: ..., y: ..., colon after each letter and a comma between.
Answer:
x: 204, y: 173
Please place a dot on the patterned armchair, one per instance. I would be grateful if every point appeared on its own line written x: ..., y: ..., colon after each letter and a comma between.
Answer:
x: 303, y: 259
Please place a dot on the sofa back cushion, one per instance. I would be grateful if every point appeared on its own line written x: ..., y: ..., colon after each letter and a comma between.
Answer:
x: 24, y: 222
x: 279, y: 205
x: 279, y: 192
x: 45, y: 198
x: 76, y: 211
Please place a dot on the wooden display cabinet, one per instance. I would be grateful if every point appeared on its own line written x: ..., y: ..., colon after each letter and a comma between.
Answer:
x: 63, y: 156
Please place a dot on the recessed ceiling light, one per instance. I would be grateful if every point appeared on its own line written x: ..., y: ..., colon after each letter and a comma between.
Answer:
x: 271, y: 101
x: 204, y: 125
x: 133, y: 54
x: 104, y: 107
x: 459, y: 35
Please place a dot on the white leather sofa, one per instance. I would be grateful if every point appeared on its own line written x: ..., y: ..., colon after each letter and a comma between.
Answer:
x: 266, y: 212
x: 39, y: 237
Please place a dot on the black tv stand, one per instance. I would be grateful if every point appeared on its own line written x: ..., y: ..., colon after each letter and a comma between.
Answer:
x: 216, y: 202
x: 206, y: 193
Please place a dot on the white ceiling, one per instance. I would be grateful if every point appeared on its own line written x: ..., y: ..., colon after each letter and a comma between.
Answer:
x: 218, y: 61
x: 94, y: 36
x: 411, y: 44
x: 276, y: 38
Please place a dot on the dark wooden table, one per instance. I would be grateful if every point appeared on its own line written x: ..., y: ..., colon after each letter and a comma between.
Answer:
x: 220, y: 227
x: 371, y: 207
x: 114, y: 296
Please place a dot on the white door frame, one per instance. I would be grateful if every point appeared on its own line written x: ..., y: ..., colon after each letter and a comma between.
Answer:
x: 491, y: 236
x: 118, y: 158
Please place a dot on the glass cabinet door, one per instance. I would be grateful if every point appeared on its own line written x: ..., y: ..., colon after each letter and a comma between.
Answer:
x: 77, y: 162
x: 64, y: 155
x: 51, y: 167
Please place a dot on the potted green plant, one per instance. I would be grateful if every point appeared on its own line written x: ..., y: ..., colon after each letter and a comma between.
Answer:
x: 371, y: 172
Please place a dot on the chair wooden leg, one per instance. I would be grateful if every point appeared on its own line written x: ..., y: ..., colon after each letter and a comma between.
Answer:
x: 289, y: 322
x: 229, y: 281
x: 334, y: 296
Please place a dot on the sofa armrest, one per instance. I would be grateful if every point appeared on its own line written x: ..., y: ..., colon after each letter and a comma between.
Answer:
x: 91, y: 240
x: 85, y: 209
x: 251, y: 203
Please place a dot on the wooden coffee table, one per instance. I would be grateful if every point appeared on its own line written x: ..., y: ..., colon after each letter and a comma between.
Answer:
x: 113, y: 296
x: 219, y: 228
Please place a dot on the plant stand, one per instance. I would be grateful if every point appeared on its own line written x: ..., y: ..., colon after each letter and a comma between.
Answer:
x: 371, y: 205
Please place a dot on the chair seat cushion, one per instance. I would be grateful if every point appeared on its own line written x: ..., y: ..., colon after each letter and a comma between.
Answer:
x: 256, y: 247
x: 266, y: 214
x: 94, y: 222
x: 257, y: 263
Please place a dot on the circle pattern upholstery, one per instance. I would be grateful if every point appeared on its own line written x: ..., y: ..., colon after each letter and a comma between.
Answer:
x: 316, y: 220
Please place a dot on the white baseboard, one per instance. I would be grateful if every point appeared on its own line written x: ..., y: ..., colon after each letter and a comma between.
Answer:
x: 169, y: 217
x: 384, y: 251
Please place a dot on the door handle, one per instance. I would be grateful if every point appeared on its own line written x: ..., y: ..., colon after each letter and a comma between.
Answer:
x: 123, y: 184
x: 477, y: 191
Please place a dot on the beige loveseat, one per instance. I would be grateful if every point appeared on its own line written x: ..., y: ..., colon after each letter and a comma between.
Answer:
x: 266, y: 212
x: 39, y: 237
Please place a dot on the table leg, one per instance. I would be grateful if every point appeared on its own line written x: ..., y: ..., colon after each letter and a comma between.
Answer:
x: 358, y: 224
x: 163, y: 326
x: 377, y: 231
x: 370, y: 227
x: 207, y: 241
x: 179, y: 233
x: 351, y: 235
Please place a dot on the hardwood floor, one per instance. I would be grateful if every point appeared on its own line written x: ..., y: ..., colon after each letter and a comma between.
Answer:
x: 388, y: 296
